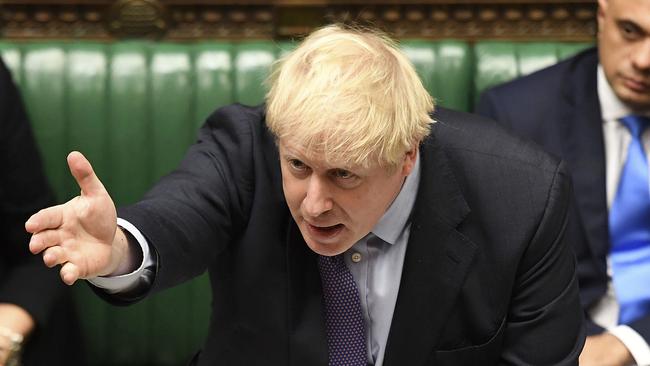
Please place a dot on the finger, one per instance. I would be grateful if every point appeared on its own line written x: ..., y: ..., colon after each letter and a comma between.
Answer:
x: 53, y: 256
x: 69, y: 273
x: 43, y: 240
x: 84, y: 175
x: 47, y: 218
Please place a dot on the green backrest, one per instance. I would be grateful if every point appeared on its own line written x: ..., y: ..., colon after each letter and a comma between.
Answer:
x: 133, y: 108
x: 498, y: 61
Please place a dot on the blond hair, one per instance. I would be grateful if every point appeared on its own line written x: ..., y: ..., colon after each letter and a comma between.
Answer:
x: 349, y: 95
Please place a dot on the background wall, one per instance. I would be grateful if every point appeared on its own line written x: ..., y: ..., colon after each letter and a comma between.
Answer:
x: 279, y: 19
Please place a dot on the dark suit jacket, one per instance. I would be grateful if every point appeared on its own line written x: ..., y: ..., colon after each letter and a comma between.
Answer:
x: 558, y: 108
x: 24, y: 280
x: 487, y: 279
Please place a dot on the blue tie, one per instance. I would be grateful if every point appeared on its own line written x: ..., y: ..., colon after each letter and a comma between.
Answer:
x: 629, y: 228
x: 346, y: 341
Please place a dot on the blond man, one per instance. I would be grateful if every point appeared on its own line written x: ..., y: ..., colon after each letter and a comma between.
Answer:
x: 340, y: 225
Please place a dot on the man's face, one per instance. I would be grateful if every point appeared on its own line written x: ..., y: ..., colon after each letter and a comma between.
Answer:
x: 333, y: 206
x: 624, y: 49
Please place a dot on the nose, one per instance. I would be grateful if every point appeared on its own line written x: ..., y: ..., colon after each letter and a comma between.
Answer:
x: 641, y: 56
x: 317, y: 199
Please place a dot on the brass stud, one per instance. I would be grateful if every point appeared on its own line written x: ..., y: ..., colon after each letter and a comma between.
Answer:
x: 585, y: 14
x: 414, y: 15
x: 42, y: 16
x: 367, y: 15
x: 560, y: 13
x: 237, y: 16
x: 20, y: 16
x: 487, y: 15
x: 439, y: 15
x: 68, y: 16
x: 189, y: 16
x: 463, y: 14
x: 391, y: 15
x: 92, y: 16
x: 513, y: 14
x: 263, y: 16
x: 536, y: 14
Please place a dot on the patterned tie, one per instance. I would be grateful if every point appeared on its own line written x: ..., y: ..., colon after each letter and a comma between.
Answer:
x: 629, y: 227
x: 346, y: 340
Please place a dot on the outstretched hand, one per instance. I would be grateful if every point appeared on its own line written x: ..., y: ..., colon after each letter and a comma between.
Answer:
x: 81, y: 235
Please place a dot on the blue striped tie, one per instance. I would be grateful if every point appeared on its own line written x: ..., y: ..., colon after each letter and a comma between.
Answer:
x: 629, y: 227
x: 345, y: 330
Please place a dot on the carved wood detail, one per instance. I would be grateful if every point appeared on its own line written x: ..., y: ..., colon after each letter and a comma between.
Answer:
x: 280, y: 19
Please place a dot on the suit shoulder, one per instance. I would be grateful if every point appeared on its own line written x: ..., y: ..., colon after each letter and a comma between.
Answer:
x: 477, y: 137
x: 237, y: 122
x: 237, y: 114
x: 548, y: 80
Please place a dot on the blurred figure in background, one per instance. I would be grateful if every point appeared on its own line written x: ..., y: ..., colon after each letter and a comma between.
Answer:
x: 37, y: 322
x: 591, y: 111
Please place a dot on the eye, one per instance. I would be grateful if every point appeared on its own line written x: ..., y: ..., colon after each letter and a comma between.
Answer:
x: 342, y: 174
x: 630, y: 30
x: 298, y: 168
x: 345, y: 178
x: 297, y: 165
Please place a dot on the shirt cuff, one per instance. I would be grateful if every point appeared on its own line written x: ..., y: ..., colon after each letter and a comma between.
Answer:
x: 634, y: 342
x: 126, y: 282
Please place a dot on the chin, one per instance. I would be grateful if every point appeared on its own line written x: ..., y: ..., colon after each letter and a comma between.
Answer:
x: 636, y: 102
x: 326, y: 249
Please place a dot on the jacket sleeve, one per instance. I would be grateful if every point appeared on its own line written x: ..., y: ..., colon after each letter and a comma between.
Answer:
x: 193, y: 214
x: 545, y: 320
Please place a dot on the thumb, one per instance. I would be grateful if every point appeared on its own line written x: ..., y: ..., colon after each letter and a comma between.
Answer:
x: 83, y: 173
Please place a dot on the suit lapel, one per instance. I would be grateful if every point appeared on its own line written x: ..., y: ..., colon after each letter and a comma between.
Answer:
x: 585, y: 153
x: 307, y: 339
x: 436, y: 263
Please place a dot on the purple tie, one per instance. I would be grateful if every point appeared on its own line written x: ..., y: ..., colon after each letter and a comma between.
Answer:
x: 346, y: 340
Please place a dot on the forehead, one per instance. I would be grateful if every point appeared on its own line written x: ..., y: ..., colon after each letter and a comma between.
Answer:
x: 634, y: 10
x: 315, y: 159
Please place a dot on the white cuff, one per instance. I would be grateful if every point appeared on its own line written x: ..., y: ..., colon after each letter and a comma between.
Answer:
x: 634, y: 342
x: 126, y: 282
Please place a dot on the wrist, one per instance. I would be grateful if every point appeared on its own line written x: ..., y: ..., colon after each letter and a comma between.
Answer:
x: 128, y: 255
x: 619, y: 350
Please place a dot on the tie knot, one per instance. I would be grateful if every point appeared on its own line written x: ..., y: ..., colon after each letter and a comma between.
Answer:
x: 636, y: 124
x: 330, y: 263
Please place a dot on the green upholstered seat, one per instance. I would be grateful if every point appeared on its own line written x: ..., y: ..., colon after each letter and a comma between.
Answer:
x: 134, y: 107
x: 498, y: 61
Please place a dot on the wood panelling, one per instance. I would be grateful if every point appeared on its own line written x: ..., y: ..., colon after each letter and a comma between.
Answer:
x: 282, y: 19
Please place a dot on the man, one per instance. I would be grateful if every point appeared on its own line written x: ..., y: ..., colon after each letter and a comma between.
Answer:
x: 579, y: 111
x: 37, y: 320
x: 340, y: 228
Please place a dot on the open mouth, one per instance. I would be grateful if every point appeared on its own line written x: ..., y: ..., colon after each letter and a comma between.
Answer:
x: 325, y: 231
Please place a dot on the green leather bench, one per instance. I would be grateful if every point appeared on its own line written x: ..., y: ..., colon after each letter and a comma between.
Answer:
x: 134, y: 107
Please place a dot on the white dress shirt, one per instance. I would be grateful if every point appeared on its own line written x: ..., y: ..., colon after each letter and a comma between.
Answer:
x: 617, y: 139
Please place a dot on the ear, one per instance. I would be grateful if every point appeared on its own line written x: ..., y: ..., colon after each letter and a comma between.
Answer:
x: 602, y: 9
x: 409, y: 160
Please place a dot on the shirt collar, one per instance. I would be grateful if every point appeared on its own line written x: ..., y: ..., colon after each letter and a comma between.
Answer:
x: 611, y: 108
x: 394, y: 220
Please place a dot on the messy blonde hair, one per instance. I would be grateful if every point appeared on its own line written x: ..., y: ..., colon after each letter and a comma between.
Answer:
x: 349, y: 95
